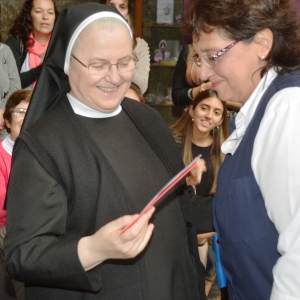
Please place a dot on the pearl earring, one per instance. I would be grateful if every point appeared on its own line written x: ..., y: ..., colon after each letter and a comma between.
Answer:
x: 262, y: 58
x: 192, y: 119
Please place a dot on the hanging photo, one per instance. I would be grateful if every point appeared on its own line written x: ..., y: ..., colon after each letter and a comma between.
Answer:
x: 165, y: 12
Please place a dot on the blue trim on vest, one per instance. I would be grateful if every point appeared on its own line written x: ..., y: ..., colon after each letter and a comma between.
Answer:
x: 248, y: 238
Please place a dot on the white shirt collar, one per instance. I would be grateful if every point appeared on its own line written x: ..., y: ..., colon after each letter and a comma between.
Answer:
x: 8, y: 144
x: 246, y: 113
x: 81, y: 109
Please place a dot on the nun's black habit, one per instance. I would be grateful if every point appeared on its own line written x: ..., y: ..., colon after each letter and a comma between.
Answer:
x: 66, y: 184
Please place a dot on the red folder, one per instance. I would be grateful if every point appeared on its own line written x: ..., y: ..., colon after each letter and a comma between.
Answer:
x: 165, y: 189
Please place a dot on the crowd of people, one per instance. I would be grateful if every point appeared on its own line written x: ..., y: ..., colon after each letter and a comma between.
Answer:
x: 87, y: 158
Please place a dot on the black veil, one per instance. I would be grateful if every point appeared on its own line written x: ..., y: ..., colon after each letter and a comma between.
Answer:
x: 53, y: 83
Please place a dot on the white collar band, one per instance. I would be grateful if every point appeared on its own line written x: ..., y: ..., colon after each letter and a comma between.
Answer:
x: 82, y: 109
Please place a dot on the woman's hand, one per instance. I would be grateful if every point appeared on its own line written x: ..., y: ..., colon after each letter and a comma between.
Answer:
x: 205, y: 86
x: 196, y: 173
x: 202, y: 237
x: 109, y: 243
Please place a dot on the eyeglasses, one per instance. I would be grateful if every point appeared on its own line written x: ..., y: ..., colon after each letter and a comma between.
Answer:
x: 211, y: 60
x: 103, y: 67
x: 19, y: 112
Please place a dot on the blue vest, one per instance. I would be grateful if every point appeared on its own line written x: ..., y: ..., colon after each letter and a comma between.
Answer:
x: 248, y: 238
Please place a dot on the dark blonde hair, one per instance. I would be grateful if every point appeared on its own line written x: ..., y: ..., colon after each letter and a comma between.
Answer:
x: 13, y: 100
x: 138, y: 92
x: 183, y: 133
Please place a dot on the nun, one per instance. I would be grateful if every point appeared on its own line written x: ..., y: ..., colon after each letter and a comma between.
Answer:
x: 86, y: 162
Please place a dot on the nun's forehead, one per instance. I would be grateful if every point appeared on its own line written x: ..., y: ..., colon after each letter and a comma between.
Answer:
x: 83, y: 25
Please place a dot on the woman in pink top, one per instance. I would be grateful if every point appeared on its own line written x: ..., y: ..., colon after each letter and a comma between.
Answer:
x: 13, y: 116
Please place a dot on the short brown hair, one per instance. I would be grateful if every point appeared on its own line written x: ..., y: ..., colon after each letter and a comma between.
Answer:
x: 14, y: 99
x: 242, y: 19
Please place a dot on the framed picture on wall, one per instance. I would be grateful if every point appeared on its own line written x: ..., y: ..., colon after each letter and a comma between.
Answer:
x: 165, y: 12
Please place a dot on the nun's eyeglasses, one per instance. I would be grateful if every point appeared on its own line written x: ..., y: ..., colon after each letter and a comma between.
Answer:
x: 19, y: 112
x: 211, y: 60
x: 103, y: 67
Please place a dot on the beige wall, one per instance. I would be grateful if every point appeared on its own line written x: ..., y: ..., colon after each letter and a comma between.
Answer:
x: 10, y: 8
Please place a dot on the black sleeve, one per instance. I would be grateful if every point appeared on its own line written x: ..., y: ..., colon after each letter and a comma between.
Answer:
x: 27, y: 78
x: 179, y: 86
x: 36, y: 248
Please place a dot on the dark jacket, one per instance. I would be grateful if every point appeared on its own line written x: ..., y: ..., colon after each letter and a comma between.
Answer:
x: 180, y: 86
x: 19, y: 52
x: 65, y: 150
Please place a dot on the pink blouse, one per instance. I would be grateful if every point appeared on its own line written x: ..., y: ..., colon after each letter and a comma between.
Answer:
x: 5, y: 166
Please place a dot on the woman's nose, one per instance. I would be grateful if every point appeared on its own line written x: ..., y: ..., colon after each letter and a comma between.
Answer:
x: 204, y: 72
x: 208, y: 114
x: 113, y: 74
x: 45, y: 15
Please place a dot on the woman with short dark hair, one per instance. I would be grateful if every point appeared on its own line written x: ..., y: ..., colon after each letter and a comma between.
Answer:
x: 250, y: 52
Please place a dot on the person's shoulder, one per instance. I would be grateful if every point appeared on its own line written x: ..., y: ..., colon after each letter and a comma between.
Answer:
x: 15, y: 44
x: 5, y: 48
x: 1, y: 146
x: 284, y: 102
x: 141, y: 111
x: 285, y: 98
x: 4, y: 155
x: 141, y: 43
x: 287, y: 88
x: 50, y: 123
x: 185, y: 49
x: 133, y: 105
x: 12, y: 39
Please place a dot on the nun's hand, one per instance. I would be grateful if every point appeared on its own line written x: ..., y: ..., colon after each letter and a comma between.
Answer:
x: 109, y: 243
x: 195, y: 175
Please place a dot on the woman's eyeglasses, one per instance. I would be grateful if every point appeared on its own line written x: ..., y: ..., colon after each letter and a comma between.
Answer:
x: 19, y: 112
x: 211, y: 60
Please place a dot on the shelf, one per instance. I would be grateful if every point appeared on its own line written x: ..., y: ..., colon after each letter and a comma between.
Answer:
x: 161, y: 105
x: 156, y: 25
x: 158, y: 65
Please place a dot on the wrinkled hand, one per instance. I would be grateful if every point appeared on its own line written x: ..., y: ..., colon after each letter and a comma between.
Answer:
x: 109, y: 243
x: 196, y: 173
